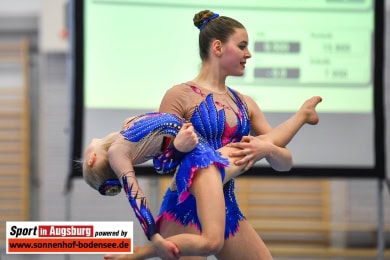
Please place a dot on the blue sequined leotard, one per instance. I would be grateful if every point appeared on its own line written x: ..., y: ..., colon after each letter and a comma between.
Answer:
x: 210, y: 119
x: 147, y: 134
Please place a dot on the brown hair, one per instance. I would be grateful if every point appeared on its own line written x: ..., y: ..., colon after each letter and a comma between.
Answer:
x: 219, y: 28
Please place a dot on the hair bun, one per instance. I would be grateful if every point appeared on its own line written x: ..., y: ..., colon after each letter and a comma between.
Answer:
x: 110, y: 187
x: 201, y: 17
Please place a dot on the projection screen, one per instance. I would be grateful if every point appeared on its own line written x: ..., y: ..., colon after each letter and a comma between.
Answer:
x: 128, y: 53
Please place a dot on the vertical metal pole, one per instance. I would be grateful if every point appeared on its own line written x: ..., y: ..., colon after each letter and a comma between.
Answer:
x: 68, y: 213
x: 380, y: 222
x: 69, y: 24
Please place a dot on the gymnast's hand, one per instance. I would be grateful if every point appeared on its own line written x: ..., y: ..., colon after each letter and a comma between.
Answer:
x: 251, y: 149
x: 164, y: 248
x: 186, y: 140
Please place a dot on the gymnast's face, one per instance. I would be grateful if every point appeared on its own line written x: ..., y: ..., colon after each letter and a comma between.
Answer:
x: 235, y: 52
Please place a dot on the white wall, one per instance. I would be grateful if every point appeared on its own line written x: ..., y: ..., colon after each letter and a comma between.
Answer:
x: 19, y: 7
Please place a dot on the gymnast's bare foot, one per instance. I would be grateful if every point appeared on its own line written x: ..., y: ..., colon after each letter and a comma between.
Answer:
x: 118, y: 257
x: 122, y: 256
x: 139, y: 253
x: 309, y: 108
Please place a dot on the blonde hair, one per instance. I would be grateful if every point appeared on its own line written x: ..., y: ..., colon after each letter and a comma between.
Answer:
x: 96, y: 174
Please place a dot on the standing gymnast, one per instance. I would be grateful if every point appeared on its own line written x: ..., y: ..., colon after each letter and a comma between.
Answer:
x: 110, y: 159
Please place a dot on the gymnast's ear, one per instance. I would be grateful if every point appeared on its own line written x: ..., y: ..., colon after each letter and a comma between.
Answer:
x: 92, y: 159
x: 217, y: 47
